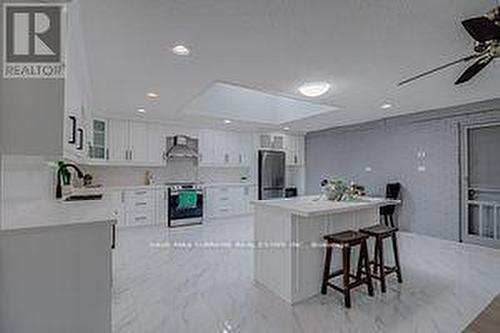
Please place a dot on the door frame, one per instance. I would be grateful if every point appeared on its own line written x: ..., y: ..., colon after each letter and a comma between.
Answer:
x: 464, y: 182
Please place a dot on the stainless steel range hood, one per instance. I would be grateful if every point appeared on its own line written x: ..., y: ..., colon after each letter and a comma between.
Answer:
x: 181, y: 146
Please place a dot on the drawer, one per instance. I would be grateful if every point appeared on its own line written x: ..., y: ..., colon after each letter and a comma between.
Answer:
x: 139, y: 200
x: 139, y: 195
x: 138, y: 218
x: 221, y: 211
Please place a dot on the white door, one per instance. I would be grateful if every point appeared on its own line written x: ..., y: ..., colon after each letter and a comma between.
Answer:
x: 118, y: 140
x: 138, y: 141
x: 207, y: 147
x: 245, y: 144
x: 300, y: 149
x: 221, y: 149
x: 98, y: 150
x: 481, y: 185
x: 156, y: 144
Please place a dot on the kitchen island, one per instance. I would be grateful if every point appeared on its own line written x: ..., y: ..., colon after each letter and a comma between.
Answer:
x: 56, y: 266
x: 288, y: 258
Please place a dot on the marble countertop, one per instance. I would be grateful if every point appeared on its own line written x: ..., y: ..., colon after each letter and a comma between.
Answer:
x: 34, y: 214
x: 228, y: 184
x: 315, y: 205
x: 161, y: 186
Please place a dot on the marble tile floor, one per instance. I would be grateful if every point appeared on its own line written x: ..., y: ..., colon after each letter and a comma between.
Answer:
x: 184, y: 290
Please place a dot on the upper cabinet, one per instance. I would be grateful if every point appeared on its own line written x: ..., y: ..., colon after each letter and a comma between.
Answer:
x: 292, y: 145
x: 294, y: 149
x: 224, y: 148
x: 127, y: 142
x: 77, y: 93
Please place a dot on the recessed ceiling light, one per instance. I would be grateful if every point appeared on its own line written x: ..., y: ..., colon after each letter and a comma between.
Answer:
x: 314, y: 89
x: 180, y: 50
x: 152, y: 95
x: 141, y: 110
x: 286, y: 128
x: 386, y: 106
x: 227, y: 121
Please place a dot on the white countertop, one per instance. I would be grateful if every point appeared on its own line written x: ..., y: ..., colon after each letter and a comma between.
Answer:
x: 21, y: 216
x: 310, y: 205
x: 228, y: 184
x: 161, y: 186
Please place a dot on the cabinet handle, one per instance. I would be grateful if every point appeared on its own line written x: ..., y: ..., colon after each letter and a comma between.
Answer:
x: 107, y: 153
x: 141, y: 203
x: 123, y: 196
x: 72, y: 140
x: 295, y: 159
x: 113, y: 236
x: 141, y: 192
x: 140, y: 218
x: 80, y: 144
x: 241, y: 158
x: 226, y: 158
x: 131, y: 158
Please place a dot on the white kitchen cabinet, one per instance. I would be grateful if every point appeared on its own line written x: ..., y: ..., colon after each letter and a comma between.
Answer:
x: 138, y: 141
x: 294, y: 149
x: 133, y: 142
x: 161, y: 205
x: 98, y: 149
x: 224, y: 148
x: 75, y: 132
x: 208, y: 147
x: 271, y: 141
x: 118, y: 140
x: 228, y: 201
x: 139, y: 206
x: 157, y: 142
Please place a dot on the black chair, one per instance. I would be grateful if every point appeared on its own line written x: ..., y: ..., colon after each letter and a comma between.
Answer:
x: 392, y: 191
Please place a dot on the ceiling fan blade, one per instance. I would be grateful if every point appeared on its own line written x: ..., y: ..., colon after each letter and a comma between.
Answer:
x: 474, y: 69
x: 429, y: 72
x: 482, y: 29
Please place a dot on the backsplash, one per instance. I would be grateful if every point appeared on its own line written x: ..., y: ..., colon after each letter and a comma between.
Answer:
x: 176, y: 171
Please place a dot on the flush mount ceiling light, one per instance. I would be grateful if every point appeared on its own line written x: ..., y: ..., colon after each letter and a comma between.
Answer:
x: 141, y: 110
x: 286, y: 128
x: 227, y: 121
x: 180, y: 50
x: 314, y: 89
x: 152, y: 95
x: 386, y: 106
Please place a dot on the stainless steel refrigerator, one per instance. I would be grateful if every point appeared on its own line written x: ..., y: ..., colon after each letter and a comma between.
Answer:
x: 271, y: 174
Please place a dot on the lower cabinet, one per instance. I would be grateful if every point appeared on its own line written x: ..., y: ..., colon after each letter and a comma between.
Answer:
x: 141, y: 206
x: 228, y: 201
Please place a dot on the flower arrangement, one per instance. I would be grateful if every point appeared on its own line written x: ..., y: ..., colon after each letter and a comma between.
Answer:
x: 336, y: 189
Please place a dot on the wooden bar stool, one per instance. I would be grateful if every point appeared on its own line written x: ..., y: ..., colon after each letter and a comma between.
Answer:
x: 381, y: 232
x: 346, y: 240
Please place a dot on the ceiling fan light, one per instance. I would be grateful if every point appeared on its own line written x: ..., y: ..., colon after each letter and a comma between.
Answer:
x: 314, y: 89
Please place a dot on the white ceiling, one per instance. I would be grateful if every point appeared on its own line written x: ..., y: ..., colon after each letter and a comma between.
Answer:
x: 243, y: 104
x: 362, y: 47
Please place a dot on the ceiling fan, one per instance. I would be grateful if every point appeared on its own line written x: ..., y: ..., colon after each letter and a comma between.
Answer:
x: 486, y: 32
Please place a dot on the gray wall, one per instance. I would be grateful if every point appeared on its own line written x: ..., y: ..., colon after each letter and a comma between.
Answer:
x: 393, y: 148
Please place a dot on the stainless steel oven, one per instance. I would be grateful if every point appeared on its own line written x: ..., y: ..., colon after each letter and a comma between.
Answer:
x: 185, y: 205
